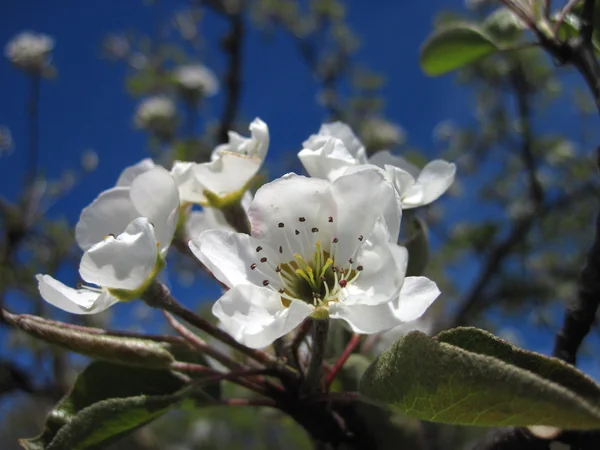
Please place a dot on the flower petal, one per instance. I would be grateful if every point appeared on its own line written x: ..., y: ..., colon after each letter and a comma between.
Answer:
x: 260, y: 138
x: 230, y: 257
x: 228, y: 174
x: 289, y: 204
x: 416, y: 295
x: 435, y: 179
x: 255, y: 316
x: 327, y: 159
x: 207, y: 219
x: 364, y: 319
x: 122, y: 263
x: 110, y: 213
x: 401, y: 179
x: 343, y: 132
x: 384, y: 157
x: 361, y: 198
x: 76, y: 301
x: 131, y: 172
x: 155, y: 196
x: 190, y: 189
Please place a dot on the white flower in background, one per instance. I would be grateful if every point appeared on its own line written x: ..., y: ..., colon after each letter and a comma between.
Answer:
x: 142, y: 191
x: 330, y: 153
x: 318, y: 249
x: 416, y: 187
x: 379, y: 133
x: 89, y: 160
x: 30, y: 51
x: 121, y: 266
x: 197, y: 79
x: 157, y: 114
x: 228, y: 175
x: 6, y: 141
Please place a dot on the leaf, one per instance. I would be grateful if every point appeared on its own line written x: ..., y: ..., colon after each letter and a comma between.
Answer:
x: 125, y: 350
x: 486, y: 383
x: 418, y: 248
x: 107, y: 402
x: 455, y: 46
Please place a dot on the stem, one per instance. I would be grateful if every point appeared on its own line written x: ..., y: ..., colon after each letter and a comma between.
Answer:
x: 292, y: 350
x: 215, y: 376
x: 350, y: 347
x: 313, y: 374
x: 563, y: 13
x: 236, y: 217
x: 158, y: 296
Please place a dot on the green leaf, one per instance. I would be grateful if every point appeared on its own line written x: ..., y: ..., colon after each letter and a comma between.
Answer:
x: 418, y: 248
x: 124, y: 350
x: 469, y: 377
x: 107, y: 402
x: 455, y: 46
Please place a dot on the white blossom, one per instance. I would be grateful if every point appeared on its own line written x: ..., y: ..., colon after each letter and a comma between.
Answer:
x: 197, y: 79
x: 157, y: 114
x: 120, y: 266
x: 330, y: 153
x: 379, y: 133
x: 30, y: 51
x: 232, y: 168
x: 317, y: 248
x: 143, y: 190
x: 6, y: 141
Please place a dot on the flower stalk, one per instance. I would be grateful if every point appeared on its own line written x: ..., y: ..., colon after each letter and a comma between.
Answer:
x: 320, y: 329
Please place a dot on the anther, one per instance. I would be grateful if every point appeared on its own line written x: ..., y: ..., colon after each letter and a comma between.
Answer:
x: 277, y: 269
x: 359, y: 268
x: 330, y: 219
x: 79, y: 286
x: 280, y: 249
x: 253, y: 266
x: 259, y: 248
x: 343, y: 283
x: 335, y: 240
x: 360, y: 238
x: 351, y: 261
x: 281, y: 291
x: 265, y: 282
x: 280, y: 224
x: 314, y: 230
x: 301, y: 219
x: 297, y: 232
x: 263, y: 259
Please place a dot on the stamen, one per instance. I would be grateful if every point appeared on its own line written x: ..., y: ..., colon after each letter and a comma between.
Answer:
x: 265, y: 282
x: 280, y: 224
x: 263, y: 259
x: 314, y: 230
x: 258, y: 249
x: 330, y: 219
x: 301, y: 219
x: 252, y: 266
x: 360, y: 238
x: 343, y: 283
x: 328, y: 263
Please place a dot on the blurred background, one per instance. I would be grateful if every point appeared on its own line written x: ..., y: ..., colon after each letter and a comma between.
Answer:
x: 168, y: 79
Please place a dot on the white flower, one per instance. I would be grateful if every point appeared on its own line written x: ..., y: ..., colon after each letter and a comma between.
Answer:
x: 197, y: 79
x: 121, y: 266
x: 232, y: 168
x: 416, y: 187
x: 30, y: 51
x: 157, y: 114
x: 211, y: 219
x: 142, y: 191
x: 378, y: 133
x: 6, y: 141
x: 330, y: 153
x: 318, y: 249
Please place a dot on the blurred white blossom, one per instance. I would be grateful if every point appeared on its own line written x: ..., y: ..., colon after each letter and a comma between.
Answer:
x: 30, y: 51
x: 157, y: 114
x: 6, y: 141
x: 89, y: 160
x: 196, y: 80
x: 378, y: 134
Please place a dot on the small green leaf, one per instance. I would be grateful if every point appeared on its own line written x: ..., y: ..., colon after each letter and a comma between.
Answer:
x: 107, y: 402
x: 455, y: 46
x: 480, y: 380
x: 418, y: 248
x: 124, y: 350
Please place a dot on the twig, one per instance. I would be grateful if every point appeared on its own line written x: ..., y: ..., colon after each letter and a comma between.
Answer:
x: 350, y: 347
x: 563, y: 13
x: 247, y: 402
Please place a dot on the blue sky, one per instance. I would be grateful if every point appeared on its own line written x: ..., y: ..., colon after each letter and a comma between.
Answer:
x: 87, y: 105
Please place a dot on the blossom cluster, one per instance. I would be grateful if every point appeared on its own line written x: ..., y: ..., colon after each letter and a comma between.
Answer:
x: 323, y: 246
x: 30, y: 51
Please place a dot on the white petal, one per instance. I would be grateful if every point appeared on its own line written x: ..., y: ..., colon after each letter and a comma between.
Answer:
x: 327, y: 160
x: 76, y: 301
x: 416, y: 295
x: 285, y: 201
x: 384, y: 266
x: 260, y: 137
x: 384, y: 157
x: 110, y: 213
x: 155, y: 196
x: 230, y: 256
x: 401, y: 179
x: 364, y: 319
x: 343, y: 132
x: 190, y: 188
x: 131, y: 172
x: 360, y: 199
x: 122, y: 263
x: 207, y: 219
x: 255, y: 316
x: 435, y: 179
x: 227, y: 174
